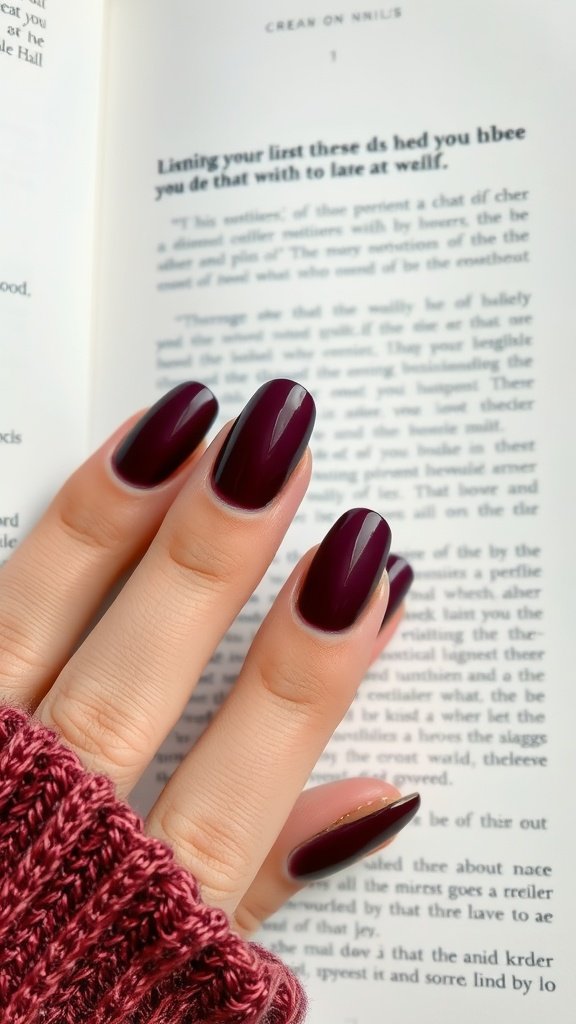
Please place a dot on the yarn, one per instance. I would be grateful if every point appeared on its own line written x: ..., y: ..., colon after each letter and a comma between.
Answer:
x: 98, y: 923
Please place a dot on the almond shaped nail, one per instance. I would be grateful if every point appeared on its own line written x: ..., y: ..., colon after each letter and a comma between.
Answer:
x: 350, y: 838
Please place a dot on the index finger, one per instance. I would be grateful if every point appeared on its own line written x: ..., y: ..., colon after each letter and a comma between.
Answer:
x: 98, y: 524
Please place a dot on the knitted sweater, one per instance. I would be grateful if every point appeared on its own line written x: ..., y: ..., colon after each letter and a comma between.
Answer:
x: 98, y: 923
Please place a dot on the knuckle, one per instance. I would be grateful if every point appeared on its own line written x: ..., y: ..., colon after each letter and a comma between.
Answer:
x: 248, y: 918
x: 216, y: 852
x: 300, y: 690
x: 103, y: 734
x: 198, y: 559
x: 19, y: 657
x: 88, y: 525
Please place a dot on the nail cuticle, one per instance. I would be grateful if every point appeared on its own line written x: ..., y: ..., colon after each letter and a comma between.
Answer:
x: 335, y: 636
x: 240, y: 511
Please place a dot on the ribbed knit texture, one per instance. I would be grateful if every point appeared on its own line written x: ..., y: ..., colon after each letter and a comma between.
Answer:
x: 98, y: 924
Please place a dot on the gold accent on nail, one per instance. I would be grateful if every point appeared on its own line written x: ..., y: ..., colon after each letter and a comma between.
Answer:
x: 362, y: 811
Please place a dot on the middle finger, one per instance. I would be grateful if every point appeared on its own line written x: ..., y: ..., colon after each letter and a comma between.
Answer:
x: 125, y: 688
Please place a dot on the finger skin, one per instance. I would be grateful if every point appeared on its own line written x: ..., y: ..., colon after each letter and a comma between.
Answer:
x: 316, y: 809
x: 51, y: 588
x: 227, y: 802
x: 126, y: 687
x: 386, y: 633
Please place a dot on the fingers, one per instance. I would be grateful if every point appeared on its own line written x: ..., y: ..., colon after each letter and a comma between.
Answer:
x: 318, y: 809
x: 333, y: 825
x: 98, y: 524
x: 124, y: 689
x: 226, y: 804
x: 224, y: 516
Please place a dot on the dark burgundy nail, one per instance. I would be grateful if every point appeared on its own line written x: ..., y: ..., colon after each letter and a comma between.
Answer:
x: 345, y: 570
x: 166, y: 435
x: 351, y: 838
x: 401, y: 576
x: 265, y: 444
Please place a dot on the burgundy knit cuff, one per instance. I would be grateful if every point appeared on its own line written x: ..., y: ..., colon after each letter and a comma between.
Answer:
x: 98, y: 924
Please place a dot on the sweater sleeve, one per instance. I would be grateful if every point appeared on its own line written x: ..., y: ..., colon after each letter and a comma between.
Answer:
x: 98, y: 923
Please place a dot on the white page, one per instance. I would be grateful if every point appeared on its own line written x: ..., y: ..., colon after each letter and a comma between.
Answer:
x: 50, y: 59
x: 429, y: 400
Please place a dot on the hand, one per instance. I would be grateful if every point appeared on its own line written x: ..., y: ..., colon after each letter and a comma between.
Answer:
x: 205, y: 525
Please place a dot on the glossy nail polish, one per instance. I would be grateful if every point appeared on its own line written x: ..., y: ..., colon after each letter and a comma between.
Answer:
x: 264, y: 445
x: 350, y: 838
x: 345, y: 570
x: 401, y: 576
x: 166, y: 435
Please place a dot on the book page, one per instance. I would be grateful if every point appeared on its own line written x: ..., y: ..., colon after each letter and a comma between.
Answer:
x: 50, y: 58
x: 379, y: 203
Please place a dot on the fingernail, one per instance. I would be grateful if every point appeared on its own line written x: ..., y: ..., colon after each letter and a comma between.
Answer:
x: 166, y: 435
x: 345, y: 570
x: 265, y: 444
x: 350, y: 838
x: 400, y: 576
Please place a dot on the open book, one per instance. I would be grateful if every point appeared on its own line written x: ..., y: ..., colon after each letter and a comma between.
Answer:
x: 379, y: 203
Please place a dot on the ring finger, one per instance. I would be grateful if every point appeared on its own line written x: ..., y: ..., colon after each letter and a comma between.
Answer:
x: 226, y: 804
x: 98, y: 524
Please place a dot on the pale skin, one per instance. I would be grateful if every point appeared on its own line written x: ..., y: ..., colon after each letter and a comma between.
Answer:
x: 234, y: 808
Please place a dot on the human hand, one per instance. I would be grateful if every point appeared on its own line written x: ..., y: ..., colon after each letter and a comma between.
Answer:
x: 205, y: 525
